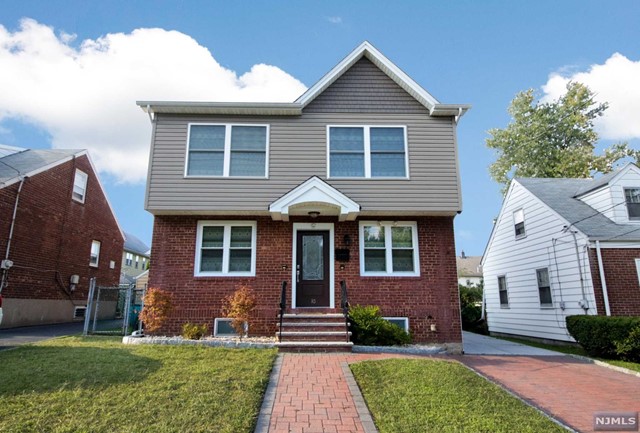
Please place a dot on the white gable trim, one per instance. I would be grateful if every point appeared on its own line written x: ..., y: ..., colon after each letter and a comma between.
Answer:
x: 388, y: 67
x: 315, y: 191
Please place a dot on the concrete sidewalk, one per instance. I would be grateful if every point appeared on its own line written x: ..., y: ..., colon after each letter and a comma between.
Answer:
x: 475, y: 344
x: 13, y: 337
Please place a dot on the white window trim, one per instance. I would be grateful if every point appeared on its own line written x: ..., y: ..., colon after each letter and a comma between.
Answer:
x: 85, y: 177
x: 405, y: 319
x: 332, y: 268
x: 506, y: 289
x: 215, y: 327
x: 367, y: 152
x: 387, y: 225
x: 227, y: 152
x: 638, y: 269
x: 626, y: 205
x: 94, y: 242
x: 550, y: 305
x: 516, y: 222
x: 225, y: 248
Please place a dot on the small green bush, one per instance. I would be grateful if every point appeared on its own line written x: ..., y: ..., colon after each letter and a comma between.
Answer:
x: 599, y: 335
x: 193, y: 331
x: 629, y: 348
x: 470, y: 311
x: 368, y: 328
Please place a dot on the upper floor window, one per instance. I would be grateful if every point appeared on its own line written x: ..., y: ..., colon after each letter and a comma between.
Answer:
x: 389, y: 249
x: 226, y: 248
x: 128, y: 259
x: 367, y: 151
x: 94, y: 258
x: 137, y: 262
x: 227, y: 150
x: 80, y: 186
x: 544, y: 287
x: 502, y: 291
x: 632, y: 197
x: 518, y: 222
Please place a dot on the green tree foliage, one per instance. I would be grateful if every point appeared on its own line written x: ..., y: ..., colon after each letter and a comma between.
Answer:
x: 553, y: 139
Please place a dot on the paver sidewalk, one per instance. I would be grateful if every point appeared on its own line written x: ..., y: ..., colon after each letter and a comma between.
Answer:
x: 568, y: 389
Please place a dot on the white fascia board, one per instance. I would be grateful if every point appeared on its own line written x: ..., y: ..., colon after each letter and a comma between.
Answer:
x: 234, y: 108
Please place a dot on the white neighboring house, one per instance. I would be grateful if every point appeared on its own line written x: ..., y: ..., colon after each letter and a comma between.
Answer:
x: 563, y: 247
x: 469, y: 270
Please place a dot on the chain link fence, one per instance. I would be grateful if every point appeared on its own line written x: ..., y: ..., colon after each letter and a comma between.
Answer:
x: 112, y: 310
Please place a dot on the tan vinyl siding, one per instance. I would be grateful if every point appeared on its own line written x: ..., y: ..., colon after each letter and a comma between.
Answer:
x: 364, y: 88
x: 298, y: 150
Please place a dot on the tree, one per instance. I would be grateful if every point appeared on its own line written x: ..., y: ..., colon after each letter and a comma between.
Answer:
x: 553, y: 139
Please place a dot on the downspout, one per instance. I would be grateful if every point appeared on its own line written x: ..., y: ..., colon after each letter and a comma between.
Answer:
x: 5, y: 270
x: 583, y: 303
x: 605, y: 293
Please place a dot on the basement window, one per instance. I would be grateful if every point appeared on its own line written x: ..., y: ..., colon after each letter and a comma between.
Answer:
x: 402, y: 322
x: 222, y: 328
x: 79, y: 312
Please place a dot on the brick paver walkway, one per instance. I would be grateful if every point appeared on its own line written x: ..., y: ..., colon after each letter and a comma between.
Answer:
x: 567, y: 388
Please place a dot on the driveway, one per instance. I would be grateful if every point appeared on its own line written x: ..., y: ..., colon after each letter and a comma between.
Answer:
x: 30, y: 334
x: 475, y: 344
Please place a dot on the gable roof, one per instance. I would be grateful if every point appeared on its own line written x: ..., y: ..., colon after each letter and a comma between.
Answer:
x: 135, y: 245
x: 28, y: 162
x: 560, y: 196
x: 606, y: 179
x: 469, y: 266
x: 365, y: 49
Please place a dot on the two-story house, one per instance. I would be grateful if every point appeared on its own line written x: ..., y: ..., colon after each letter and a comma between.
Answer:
x: 135, y: 259
x: 57, y: 230
x: 563, y: 247
x: 355, y: 181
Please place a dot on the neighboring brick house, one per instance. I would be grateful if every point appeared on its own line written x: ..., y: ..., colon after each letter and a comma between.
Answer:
x: 63, y: 226
x: 135, y: 259
x: 355, y: 181
x: 563, y: 247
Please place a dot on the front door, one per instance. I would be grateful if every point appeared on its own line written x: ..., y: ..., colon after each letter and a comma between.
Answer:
x: 312, y: 269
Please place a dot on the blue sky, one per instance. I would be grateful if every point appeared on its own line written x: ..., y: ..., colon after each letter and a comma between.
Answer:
x: 481, y: 53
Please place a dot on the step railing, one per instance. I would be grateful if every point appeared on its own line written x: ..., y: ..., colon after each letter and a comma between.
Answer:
x: 283, y: 307
x: 344, y: 303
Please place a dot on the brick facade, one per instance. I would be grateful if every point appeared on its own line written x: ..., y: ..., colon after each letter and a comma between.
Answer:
x: 620, y: 272
x: 431, y: 298
x: 53, y: 234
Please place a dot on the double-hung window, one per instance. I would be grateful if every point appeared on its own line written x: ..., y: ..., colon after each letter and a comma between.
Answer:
x: 389, y: 249
x: 94, y: 257
x: 80, y: 186
x: 128, y: 259
x: 502, y: 291
x: 518, y: 223
x: 225, y: 248
x: 544, y: 287
x: 367, y: 151
x: 632, y: 197
x: 215, y: 150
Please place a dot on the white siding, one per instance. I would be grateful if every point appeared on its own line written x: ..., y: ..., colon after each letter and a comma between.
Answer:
x: 544, y: 246
x: 628, y: 179
x: 602, y: 201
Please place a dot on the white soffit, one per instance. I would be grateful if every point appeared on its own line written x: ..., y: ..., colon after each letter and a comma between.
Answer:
x: 314, y: 195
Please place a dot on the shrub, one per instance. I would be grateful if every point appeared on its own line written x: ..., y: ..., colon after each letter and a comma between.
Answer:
x: 239, y: 307
x: 368, y: 328
x: 192, y: 331
x: 629, y: 348
x: 470, y: 311
x: 156, y: 308
x: 598, y: 335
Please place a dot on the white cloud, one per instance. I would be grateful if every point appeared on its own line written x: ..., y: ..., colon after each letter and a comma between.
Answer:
x: 335, y: 20
x: 617, y: 82
x: 84, y: 95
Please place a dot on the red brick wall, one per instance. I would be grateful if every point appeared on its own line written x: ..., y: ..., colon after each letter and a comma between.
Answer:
x: 54, y: 233
x: 429, y: 299
x: 620, y: 273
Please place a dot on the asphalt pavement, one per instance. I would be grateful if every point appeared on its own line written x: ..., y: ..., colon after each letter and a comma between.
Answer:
x: 13, y: 337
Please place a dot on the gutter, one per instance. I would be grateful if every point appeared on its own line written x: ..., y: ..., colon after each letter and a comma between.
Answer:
x: 605, y: 293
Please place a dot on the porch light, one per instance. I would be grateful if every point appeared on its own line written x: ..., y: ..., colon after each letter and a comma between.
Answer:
x: 314, y: 214
x: 347, y: 240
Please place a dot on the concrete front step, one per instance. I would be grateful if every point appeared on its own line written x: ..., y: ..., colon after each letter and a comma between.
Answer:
x: 314, y: 346
x: 291, y: 336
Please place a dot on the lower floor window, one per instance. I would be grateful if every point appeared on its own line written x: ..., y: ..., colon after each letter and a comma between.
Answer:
x: 544, y: 287
x: 389, y: 248
x: 502, y: 290
x: 226, y: 248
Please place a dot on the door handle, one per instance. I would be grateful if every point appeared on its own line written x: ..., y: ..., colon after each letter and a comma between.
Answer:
x: 298, y: 276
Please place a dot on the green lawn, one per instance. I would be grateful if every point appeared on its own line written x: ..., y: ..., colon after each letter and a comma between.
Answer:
x: 97, y: 384
x: 416, y: 395
x: 573, y: 350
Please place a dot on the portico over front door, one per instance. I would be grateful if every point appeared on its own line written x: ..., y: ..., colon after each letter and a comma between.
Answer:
x: 312, y: 268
